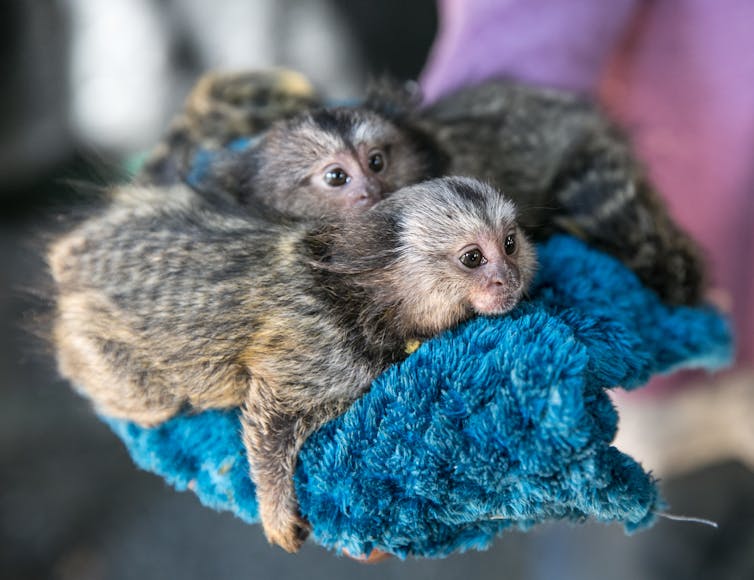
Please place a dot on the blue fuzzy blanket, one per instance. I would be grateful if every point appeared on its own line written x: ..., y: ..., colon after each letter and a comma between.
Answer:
x: 501, y: 422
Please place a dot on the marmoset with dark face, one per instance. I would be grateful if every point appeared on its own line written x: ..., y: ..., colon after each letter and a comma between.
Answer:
x: 168, y: 300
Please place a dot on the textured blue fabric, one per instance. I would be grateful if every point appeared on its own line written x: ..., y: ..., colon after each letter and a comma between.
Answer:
x: 501, y: 422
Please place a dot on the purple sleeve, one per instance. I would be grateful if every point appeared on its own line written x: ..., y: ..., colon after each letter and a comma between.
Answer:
x: 550, y: 42
x: 684, y: 87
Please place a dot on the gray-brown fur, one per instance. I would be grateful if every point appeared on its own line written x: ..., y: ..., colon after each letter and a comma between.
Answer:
x: 167, y: 300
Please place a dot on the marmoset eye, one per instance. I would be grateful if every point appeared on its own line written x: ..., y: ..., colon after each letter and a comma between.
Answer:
x: 376, y: 162
x: 473, y: 258
x: 510, y: 244
x: 336, y: 177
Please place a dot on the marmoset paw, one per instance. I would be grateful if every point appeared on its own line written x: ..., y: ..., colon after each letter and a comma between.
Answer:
x: 288, y: 531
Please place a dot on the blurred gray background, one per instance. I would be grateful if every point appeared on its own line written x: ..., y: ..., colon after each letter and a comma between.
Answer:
x: 88, y: 83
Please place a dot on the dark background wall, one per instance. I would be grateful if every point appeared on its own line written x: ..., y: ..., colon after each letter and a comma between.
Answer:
x: 72, y: 505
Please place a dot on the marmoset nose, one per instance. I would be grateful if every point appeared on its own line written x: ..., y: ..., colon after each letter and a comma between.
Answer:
x: 505, y: 276
x: 374, y: 188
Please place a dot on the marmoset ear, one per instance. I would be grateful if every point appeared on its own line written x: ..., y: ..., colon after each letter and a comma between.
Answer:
x: 391, y: 98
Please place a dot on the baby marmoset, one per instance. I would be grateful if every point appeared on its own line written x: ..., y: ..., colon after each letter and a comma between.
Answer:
x: 554, y: 153
x: 569, y: 169
x: 168, y: 299
x: 326, y: 162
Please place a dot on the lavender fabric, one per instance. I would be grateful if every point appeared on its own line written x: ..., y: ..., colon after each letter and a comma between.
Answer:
x: 548, y: 42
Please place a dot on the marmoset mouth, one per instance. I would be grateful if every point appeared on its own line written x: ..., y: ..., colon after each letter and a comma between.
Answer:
x: 488, y: 303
